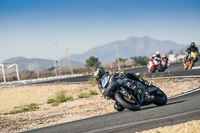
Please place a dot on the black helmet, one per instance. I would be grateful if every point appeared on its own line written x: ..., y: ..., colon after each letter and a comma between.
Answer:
x: 98, y: 73
x: 192, y: 44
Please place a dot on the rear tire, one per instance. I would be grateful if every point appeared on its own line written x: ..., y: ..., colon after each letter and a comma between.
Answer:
x: 130, y: 106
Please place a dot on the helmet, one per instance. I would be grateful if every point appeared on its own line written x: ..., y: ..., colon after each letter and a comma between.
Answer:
x: 164, y: 56
x: 192, y: 44
x: 157, y: 52
x: 98, y: 73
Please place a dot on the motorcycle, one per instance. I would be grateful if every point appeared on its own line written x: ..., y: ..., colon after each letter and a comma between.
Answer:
x: 190, y: 60
x: 164, y: 65
x: 153, y: 65
x: 130, y: 94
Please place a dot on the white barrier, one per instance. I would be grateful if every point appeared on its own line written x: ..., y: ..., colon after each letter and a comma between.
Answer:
x: 22, y: 82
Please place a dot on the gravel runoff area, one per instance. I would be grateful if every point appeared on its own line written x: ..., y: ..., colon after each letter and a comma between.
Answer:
x: 79, y: 108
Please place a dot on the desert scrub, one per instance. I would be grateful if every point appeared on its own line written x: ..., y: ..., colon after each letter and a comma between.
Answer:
x: 93, y: 93
x: 86, y: 95
x: 25, y: 108
x: 92, y: 81
x: 59, y: 98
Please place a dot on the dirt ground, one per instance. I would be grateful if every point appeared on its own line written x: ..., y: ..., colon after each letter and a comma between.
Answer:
x: 11, y: 97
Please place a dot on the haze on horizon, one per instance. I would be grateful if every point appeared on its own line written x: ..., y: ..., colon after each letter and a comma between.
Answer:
x: 30, y: 28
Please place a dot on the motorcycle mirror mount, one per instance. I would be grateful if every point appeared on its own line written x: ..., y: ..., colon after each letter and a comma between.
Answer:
x: 137, y: 74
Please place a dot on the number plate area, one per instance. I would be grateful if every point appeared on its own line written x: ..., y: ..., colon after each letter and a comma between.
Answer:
x: 105, y: 81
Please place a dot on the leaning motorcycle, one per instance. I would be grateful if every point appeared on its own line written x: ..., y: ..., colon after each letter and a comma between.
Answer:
x: 153, y: 65
x: 189, y: 62
x: 130, y: 94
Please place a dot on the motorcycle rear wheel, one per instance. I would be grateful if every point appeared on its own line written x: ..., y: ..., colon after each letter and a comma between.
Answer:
x: 126, y: 104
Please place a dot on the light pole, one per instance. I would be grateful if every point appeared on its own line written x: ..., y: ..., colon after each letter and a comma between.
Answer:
x: 68, y: 61
x: 117, y: 55
x: 56, y: 61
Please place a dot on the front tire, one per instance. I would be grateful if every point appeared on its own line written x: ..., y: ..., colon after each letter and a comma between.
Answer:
x: 123, y: 102
x: 191, y: 64
x: 159, y: 98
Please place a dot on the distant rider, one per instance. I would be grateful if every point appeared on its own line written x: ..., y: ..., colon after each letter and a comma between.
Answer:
x: 158, y: 55
x: 192, y: 48
x: 164, y: 63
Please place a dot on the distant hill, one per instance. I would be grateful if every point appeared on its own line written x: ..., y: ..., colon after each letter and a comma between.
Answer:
x: 133, y: 46
x: 36, y: 64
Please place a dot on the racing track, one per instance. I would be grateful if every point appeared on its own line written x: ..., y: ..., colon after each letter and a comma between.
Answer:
x: 175, y: 69
x: 180, y: 109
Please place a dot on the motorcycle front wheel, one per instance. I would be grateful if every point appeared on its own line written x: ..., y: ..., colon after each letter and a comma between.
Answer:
x: 159, y: 97
x: 133, y: 105
x: 191, y: 64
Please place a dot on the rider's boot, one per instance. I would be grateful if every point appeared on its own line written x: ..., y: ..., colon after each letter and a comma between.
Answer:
x: 118, y: 107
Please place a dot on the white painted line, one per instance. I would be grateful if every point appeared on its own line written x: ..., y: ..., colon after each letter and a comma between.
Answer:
x: 197, y: 67
x: 192, y: 76
x: 185, y: 93
x: 104, y: 129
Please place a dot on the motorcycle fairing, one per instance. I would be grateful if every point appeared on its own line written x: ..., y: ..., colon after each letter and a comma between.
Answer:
x: 194, y: 55
x: 105, y: 81
x: 111, y: 86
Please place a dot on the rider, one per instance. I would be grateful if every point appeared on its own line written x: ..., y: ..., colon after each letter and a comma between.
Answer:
x: 99, y: 72
x: 192, y: 48
x: 158, y: 55
x: 155, y: 56
x: 164, y: 63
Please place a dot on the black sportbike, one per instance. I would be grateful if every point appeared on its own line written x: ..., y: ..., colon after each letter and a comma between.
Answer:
x: 130, y: 94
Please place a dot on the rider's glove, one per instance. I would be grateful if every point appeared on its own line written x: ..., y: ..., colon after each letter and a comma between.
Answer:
x: 149, y: 84
x: 118, y: 73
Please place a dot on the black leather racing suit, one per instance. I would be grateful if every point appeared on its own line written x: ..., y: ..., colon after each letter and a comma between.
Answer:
x: 128, y: 75
x: 192, y: 49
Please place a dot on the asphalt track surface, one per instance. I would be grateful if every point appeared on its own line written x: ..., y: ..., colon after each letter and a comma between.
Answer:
x: 179, y: 109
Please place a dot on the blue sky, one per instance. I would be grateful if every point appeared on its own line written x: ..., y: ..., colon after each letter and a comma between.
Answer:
x: 29, y: 28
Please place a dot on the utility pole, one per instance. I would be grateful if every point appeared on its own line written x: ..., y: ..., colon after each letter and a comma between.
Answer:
x: 56, y: 61
x: 117, y: 55
x: 68, y: 61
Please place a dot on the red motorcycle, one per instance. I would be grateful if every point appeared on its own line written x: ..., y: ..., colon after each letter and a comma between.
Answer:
x: 153, y: 65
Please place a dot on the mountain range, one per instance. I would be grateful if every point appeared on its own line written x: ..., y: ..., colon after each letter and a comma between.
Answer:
x: 132, y: 46
x: 36, y: 64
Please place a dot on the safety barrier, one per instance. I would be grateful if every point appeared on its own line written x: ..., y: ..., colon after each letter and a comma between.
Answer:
x: 31, y: 81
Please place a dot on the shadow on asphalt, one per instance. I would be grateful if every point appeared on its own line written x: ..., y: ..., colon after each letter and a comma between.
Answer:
x: 171, y: 103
